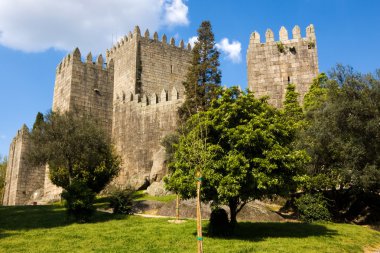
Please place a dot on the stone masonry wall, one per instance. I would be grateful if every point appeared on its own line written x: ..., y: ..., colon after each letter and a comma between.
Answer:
x: 138, y: 133
x: 21, y: 178
x: 148, y: 76
x: 90, y: 88
x: 272, y: 65
x: 163, y: 65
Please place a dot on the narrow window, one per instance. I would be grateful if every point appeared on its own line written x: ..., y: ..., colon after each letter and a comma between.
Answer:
x: 171, y: 69
x: 288, y: 79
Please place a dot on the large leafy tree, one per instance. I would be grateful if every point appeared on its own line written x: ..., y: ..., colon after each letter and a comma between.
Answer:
x: 343, y: 133
x: 242, y: 145
x: 202, y: 83
x: 79, y: 154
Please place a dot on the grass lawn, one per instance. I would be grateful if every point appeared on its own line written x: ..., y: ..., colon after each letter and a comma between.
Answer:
x: 46, y: 229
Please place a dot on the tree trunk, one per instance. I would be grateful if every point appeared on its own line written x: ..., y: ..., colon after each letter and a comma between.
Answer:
x: 233, y: 205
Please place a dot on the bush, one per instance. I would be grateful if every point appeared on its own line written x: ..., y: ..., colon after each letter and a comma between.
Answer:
x: 79, y: 200
x: 121, y: 200
x: 312, y: 207
x: 219, y: 225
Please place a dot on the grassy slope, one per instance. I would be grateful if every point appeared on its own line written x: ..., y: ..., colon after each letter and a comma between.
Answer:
x: 45, y: 229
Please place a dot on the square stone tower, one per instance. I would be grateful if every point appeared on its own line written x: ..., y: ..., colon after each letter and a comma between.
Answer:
x: 272, y: 65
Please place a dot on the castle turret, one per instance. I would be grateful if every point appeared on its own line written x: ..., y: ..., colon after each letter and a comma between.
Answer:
x: 272, y: 65
x: 85, y: 87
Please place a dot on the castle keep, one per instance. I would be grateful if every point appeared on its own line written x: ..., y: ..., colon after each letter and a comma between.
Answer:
x: 272, y: 65
x: 135, y: 93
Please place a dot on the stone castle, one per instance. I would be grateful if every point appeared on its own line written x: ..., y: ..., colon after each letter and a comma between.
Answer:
x: 135, y: 95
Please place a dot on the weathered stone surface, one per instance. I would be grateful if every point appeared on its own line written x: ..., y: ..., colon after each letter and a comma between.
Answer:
x: 270, y: 70
x: 158, y: 170
x: 21, y: 178
x: 253, y: 211
x: 147, y: 206
x: 157, y: 189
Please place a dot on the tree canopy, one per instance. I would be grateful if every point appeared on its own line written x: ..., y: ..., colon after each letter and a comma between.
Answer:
x: 202, y: 83
x: 343, y: 132
x: 242, y: 146
x: 79, y: 154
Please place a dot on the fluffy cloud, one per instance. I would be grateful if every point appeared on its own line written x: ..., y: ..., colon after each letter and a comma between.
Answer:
x: 231, y: 50
x: 176, y: 13
x: 192, y: 41
x: 42, y: 24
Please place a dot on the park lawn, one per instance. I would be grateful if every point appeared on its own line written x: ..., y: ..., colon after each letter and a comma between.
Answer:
x: 46, y: 229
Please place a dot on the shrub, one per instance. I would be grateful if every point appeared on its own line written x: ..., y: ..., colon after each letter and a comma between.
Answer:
x: 219, y: 225
x: 79, y: 201
x: 121, y: 200
x: 312, y: 207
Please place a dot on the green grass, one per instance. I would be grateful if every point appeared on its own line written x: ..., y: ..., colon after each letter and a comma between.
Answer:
x: 46, y: 229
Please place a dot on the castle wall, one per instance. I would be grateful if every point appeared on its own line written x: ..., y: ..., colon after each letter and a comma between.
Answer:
x: 138, y: 132
x: 274, y: 64
x: 123, y: 57
x: 163, y: 65
x: 148, y: 77
x: 51, y: 191
x: 89, y: 85
x: 21, y: 178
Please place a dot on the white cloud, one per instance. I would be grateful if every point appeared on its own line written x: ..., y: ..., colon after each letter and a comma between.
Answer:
x: 38, y: 25
x: 192, y: 41
x: 231, y: 50
x: 176, y: 13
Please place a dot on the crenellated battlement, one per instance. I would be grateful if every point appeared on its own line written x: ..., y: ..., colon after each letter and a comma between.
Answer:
x: 273, y: 64
x: 283, y: 35
x: 148, y: 100
x: 76, y: 58
x: 134, y: 36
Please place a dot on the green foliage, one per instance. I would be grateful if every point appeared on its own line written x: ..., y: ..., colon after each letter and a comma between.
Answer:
x: 311, y: 44
x: 293, y: 110
x: 342, y: 135
x: 313, y: 207
x: 121, y: 200
x: 169, y: 142
x: 218, y: 225
x: 243, y: 148
x: 3, y: 171
x: 76, y: 149
x: 317, y: 94
x: 280, y: 47
x: 202, y: 83
x: 79, y: 201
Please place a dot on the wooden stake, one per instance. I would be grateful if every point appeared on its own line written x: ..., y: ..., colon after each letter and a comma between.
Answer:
x: 177, y: 208
x: 199, y: 216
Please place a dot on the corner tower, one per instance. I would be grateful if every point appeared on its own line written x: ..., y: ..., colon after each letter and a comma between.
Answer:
x: 272, y: 65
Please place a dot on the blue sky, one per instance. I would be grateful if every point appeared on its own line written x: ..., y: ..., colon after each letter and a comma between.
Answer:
x: 35, y: 35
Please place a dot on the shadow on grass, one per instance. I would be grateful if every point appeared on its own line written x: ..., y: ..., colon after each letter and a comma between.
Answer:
x: 34, y: 217
x: 258, y: 231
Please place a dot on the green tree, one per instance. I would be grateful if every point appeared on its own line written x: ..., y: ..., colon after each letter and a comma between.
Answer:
x: 243, y: 147
x: 202, y: 83
x: 292, y: 109
x: 80, y: 157
x: 343, y: 136
x: 317, y: 94
x: 3, y: 170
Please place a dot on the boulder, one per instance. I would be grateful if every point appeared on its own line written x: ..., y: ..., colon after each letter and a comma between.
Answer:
x: 158, y: 170
x: 157, y: 189
x: 253, y: 211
